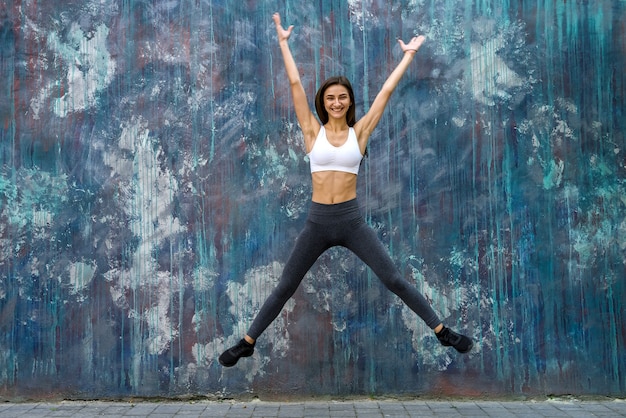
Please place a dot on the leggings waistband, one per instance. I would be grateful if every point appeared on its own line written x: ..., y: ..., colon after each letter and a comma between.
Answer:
x: 334, y: 213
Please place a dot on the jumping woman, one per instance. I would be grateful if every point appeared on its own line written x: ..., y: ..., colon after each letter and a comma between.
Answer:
x: 335, y: 146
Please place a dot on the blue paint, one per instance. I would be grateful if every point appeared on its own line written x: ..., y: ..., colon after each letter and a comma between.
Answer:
x: 153, y: 179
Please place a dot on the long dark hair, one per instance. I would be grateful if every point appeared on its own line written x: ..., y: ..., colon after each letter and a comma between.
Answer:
x: 319, y: 99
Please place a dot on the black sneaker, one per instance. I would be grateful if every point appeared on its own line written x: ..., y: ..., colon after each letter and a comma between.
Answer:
x: 231, y: 356
x: 449, y: 338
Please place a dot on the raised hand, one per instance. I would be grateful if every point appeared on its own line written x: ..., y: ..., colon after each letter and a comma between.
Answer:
x: 283, y: 34
x: 414, y: 44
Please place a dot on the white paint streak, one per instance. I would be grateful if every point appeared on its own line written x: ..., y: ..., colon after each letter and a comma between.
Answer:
x: 160, y: 327
x: 360, y: 15
x: 147, y: 189
x: 81, y: 275
x: 90, y: 69
x: 490, y: 76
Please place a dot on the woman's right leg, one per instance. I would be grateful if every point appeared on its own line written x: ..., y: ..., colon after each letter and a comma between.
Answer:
x: 309, y: 245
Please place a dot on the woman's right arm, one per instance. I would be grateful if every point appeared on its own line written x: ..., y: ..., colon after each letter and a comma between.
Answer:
x: 308, y: 123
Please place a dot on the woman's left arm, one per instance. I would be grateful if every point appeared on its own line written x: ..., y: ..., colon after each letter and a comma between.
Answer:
x: 368, y: 122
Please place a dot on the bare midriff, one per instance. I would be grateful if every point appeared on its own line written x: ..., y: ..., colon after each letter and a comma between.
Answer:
x: 331, y: 187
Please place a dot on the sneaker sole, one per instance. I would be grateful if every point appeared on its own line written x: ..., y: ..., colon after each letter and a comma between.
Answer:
x: 232, y: 364
x: 227, y: 364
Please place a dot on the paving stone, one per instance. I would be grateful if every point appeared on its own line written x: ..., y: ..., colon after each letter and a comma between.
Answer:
x: 319, y: 409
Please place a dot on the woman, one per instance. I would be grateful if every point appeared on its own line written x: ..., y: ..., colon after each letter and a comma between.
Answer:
x: 335, y: 148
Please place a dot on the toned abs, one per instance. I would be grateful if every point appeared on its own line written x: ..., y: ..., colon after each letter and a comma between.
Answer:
x: 331, y: 187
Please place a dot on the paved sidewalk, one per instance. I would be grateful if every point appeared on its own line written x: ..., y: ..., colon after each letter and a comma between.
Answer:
x: 319, y: 409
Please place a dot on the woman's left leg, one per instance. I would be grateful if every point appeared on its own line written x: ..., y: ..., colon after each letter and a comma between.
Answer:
x: 362, y: 240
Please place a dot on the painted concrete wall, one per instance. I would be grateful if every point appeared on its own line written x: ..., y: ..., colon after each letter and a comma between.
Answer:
x: 153, y: 179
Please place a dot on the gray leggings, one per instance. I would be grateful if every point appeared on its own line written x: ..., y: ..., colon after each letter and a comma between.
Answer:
x: 328, y: 226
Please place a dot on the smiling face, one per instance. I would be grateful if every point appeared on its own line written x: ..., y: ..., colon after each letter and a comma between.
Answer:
x: 337, y: 101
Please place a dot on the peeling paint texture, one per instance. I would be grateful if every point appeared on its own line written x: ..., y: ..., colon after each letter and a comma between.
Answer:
x: 153, y: 179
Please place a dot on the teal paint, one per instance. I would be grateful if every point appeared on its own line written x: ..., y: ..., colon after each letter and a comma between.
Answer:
x: 153, y: 180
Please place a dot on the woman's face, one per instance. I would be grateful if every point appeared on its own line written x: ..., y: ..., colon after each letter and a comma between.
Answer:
x: 337, y: 101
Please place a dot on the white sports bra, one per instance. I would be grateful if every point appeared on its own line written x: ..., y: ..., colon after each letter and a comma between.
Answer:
x: 324, y: 156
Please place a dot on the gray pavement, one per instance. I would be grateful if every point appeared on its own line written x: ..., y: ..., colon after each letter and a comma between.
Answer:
x: 365, y: 408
